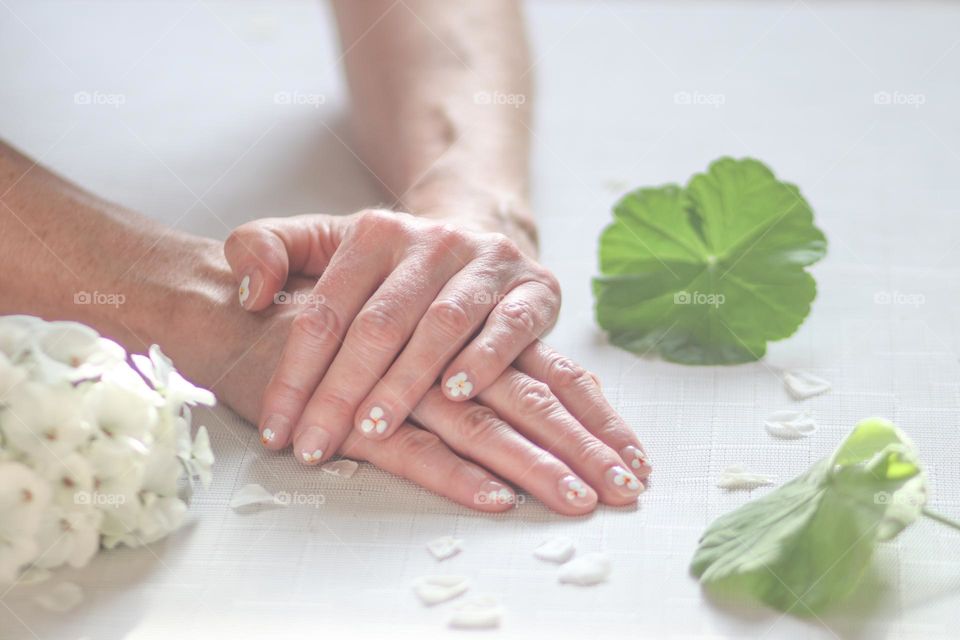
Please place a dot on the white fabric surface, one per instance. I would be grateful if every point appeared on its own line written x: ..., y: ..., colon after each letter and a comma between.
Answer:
x: 201, y: 143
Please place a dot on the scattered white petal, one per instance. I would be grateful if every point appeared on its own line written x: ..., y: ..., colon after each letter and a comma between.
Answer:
x: 736, y: 477
x: 790, y: 425
x: 803, y: 385
x: 61, y: 598
x: 445, y: 547
x: 342, y: 468
x: 252, y: 494
x: 436, y: 589
x: 557, y: 550
x: 480, y: 613
x: 34, y: 575
x: 587, y: 570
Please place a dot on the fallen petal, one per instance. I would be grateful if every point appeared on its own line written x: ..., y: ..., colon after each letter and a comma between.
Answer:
x: 480, y: 613
x: 587, y: 570
x: 445, y: 547
x: 250, y: 495
x: 61, y: 598
x: 803, y: 385
x: 790, y: 425
x: 735, y: 478
x: 557, y: 550
x: 436, y: 589
x: 342, y: 468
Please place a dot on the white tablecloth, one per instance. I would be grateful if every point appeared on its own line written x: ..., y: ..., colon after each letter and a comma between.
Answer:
x: 200, y: 142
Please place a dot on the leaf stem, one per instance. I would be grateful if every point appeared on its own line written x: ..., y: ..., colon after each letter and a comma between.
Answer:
x: 941, y: 519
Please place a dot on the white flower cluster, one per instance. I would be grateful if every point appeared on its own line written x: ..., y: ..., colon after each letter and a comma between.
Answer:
x: 92, y: 448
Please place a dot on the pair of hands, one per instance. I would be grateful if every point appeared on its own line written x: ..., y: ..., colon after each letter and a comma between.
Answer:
x: 400, y: 302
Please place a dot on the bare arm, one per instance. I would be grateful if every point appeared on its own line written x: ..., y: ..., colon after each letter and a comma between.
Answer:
x: 441, y: 107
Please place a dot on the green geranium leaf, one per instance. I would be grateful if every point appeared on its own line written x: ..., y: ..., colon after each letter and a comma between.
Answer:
x: 806, y: 544
x: 709, y: 273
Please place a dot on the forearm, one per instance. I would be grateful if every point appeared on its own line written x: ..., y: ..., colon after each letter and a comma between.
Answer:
x: 441, y: 104
x: 66, y: 254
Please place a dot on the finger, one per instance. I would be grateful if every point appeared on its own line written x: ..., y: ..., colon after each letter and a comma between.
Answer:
x: 477, y: 433
x: 455, y: 314
x: 420, y: 456
x: 523, y: 315
x: 373, y: 341
x: 263, y: 253
x: 579, y: 391
x: 315, y: 338
x: 529, y: 406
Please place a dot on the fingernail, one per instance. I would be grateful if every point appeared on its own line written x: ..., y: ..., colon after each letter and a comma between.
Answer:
x: 624, y: 482
x: 375, y: 424
x: 249, y: 287
x: 459, y: 385
x: 311, y: 444
x: 493, y: 492
x: 637, y: 461
x: 274, y: 431
x: 576, y: 492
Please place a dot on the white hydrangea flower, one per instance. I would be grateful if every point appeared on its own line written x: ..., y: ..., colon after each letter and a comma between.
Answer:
x: 68, y: 536
x: 45, y: 421
x: 18, y: 334
x: 11, y: 376
x: 73, y: 351
x: 24, y: 496
x: 158, y: 370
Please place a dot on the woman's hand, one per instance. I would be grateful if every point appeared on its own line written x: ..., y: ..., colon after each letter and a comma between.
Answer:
x: 543, y: 425
x: 399, y: 301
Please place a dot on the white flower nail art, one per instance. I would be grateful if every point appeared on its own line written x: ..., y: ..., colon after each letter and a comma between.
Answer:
x: 575, y: 489
x: 267, y: 436
x: 459, y: 385
x: 244, y: 289
x: 623, y: 478
x: 310, y: 458
x: 375, y: 422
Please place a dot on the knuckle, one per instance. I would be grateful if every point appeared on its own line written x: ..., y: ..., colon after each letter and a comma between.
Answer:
x: 533, y: 398
x: 287, y: 389
x: 450, y: 318
x: 502, y: 247
x: 379, y: 326
x: 441, y: 241
x: 318, y: 322
x: 414, y: 444
x: 333, y: 403
x: 478, y: 424
x: 589, y: 448
x: 549, y: 280
x: 518, y: 315
x: 613, y: 428
x: 565, y: 375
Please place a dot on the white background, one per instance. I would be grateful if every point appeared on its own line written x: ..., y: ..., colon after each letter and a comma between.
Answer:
x: 200, y: 142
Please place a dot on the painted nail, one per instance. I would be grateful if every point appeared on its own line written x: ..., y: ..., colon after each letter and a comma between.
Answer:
x: 576, y: 492
x: 374, y: 424
x: 459, y: 385
x: 250, y: 287
x: 624, y: 482
x: 274, y: 431
x: 637, y: 461
x: 311, y: 444
x: 493, y: 492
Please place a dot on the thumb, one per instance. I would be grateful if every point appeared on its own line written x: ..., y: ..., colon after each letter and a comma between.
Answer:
x: 262, y: 254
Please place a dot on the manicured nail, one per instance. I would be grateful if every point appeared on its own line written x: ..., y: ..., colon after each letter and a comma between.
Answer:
x: 576, y: 492
x: 274, y: 431
x: 250, y: 287
x: 624, y: 482
x: 459, y: 385
x: 637, y: 461
x: 374, y: 424
x: 311, y: 444
x: 493, y: 492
